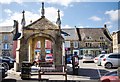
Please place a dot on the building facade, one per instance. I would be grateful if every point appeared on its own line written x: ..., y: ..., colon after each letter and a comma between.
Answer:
x: 71, y: 43
x: 6, y: 40
x: 94, y: 41
x: 116, y: 41
x: 88, y: 41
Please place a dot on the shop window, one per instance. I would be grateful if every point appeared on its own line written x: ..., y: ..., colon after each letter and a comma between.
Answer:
x: 88, y: 44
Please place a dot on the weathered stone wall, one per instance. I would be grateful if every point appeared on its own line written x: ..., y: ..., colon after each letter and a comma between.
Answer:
x: 33, y: 35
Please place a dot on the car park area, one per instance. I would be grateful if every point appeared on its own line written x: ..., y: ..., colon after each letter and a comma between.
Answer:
x: 92, y: 70
x: 88, y: 72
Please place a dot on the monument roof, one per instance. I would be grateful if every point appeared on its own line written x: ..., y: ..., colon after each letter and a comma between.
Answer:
x: 41, y: 24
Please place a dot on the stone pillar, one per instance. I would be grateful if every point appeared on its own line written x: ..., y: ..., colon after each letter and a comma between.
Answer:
x: 58, y: 52
x: 63, y: 54
x: 16, y: 64
x: 33, y: 47
x: 54, y: 52
x: 30, y: 51
x: 43, y: 53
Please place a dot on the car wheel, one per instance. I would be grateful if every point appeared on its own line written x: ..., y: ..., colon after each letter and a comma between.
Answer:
x: 108, y: 65
x: 5, y: 65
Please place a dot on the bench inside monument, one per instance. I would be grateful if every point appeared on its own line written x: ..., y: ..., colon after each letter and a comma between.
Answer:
x: 50, y: 69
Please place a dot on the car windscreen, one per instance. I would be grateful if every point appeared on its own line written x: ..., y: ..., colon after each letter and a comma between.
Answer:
x: 49, y: 57
x: 101, y: 56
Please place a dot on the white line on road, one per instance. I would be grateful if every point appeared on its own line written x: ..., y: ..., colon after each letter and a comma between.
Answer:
x: 98, y: 71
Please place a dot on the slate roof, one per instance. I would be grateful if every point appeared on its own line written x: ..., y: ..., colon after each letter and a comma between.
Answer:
x: 81, y: 34
x: 72, y: 34
x: 93, y: 33
x: 6, y: 29
x: 40, y: 24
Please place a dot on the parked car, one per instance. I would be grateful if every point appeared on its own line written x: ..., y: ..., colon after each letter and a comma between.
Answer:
x: 49, y: 58
x: 111, y: 60
x: 97, y: 59
x: 87, y: 58
x: 69, y: 58
x: 7, y: 62
x: 80, y: 57
x: 110, y: 77
x: 3, y: 73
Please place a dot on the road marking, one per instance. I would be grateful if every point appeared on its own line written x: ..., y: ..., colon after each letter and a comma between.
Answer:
x: 98, y: 71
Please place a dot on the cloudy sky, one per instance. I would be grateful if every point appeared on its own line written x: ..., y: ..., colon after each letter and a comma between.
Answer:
x: 79, y: 13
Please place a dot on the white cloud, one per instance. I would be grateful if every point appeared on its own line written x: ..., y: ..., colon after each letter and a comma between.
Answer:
x: 107, y: 23
x: 59, y: 2
x: 18, y: 16
x: 113, y: 14
x: 66, y: 26
x: 52, y: 14
x: 95, y: 18
x: 80, y: 27
x: 8, y: 11
x: 9, y: 1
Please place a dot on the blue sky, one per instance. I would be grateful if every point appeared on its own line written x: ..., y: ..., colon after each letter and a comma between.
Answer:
x: 73, y: 12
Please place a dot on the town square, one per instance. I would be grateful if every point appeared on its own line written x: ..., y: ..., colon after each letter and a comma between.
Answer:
x: 59, y: 41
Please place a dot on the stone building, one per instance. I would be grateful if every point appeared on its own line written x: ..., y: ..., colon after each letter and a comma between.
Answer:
x: 95, y: 40
x: 6, y: 40
x: 116, y: 41
x: 71, y: 42
x: 88, y: 40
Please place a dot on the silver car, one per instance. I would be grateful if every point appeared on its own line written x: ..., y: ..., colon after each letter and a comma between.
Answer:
x: 87, y: 58
x: 111, y: 60
x: 97, y: 59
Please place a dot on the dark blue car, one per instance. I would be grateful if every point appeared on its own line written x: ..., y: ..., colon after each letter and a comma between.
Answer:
x: 7, y: 62
x: 69, y: 58
x: 69, y: 61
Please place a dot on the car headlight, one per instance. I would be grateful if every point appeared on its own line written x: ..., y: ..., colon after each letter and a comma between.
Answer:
x: 11, y: 61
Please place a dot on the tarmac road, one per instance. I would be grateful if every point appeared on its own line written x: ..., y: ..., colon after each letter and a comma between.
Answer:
x: 88, y: 72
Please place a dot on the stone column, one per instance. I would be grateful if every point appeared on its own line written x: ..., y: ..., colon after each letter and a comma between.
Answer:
x: 16, y: 64
x: 30, y: 51
x: 43, y: 53
x: 58, y: 52
x: 33, y: 48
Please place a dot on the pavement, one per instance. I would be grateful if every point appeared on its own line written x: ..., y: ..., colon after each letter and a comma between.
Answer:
x: 16, y: 75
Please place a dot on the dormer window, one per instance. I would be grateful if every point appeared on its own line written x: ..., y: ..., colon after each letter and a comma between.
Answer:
x: 88, y: 37
x: 101, y: 38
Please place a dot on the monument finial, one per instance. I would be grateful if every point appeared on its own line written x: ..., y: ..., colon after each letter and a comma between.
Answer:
x: 58, y: 22
x: 23, y: 19
x: 43, y: 10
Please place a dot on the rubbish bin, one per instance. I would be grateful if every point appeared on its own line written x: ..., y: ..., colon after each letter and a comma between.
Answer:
x: 26, y: 70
